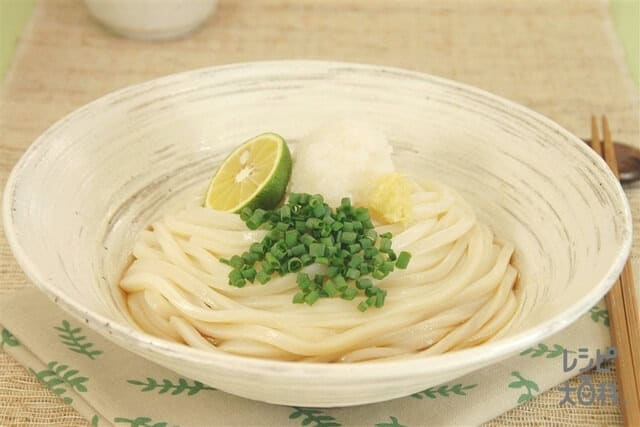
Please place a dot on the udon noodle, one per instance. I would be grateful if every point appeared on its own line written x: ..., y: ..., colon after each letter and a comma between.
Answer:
x: 457, y: 292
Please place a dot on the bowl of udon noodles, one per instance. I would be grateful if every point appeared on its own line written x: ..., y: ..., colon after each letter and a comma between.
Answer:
x: 517, y: 229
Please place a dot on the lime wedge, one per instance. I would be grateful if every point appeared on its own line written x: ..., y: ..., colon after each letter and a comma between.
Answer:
x: 254, y: 175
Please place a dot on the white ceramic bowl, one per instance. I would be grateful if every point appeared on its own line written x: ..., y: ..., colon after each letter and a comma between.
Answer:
x: 77, y: 198
x: 151, y: 19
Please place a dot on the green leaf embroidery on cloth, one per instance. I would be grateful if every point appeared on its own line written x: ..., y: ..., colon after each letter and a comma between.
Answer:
x: 598, y: 314
x: 140, y: 422
x: 94, y: 421
x: 443, y: 390
x: 312, y: 415
x: 542, y: 349
x: 57, y: 377
x: 74, y: 341
x: 8, y: 339
x: 166, y: 385
x: 531, y: 386
x: 393, y: 423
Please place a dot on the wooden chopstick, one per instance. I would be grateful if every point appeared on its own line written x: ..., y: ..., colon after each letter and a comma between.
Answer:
x: 626, y: 278
x: 622, y: 305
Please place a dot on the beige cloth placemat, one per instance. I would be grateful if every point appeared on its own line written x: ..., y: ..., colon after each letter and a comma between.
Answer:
x: 560, y: 58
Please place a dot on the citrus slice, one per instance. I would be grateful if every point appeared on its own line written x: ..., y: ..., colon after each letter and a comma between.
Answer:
x: 254, y: 175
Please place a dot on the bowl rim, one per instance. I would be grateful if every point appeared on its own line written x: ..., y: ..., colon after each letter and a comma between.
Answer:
x: 474, y: 357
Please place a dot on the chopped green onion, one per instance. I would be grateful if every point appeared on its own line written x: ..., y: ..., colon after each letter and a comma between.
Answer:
x: 312, y: 297
x: 385, y: 244
x: 304, y: 199
x: 391, y: 255
x: 263, y: 277
x: 298, y: 250
x: 352, y: 273
x: 403, y: 260
x: 249, y: 273
x: 355, y: 262
x: 279, y: 250
x: 275, y: 235
x: 313, y: 223
x: 327, y: 240
x: 235, y: 275
x: 268, y: 268
x: 331, y: 251
x: 256, y: 219
x: 366, y: 243
x: 291, y: 238
x: 307, y: 239
x: 318, y: 211
x: 294, y: 265
x: 379, y: 274
x: 349, y: 293
x: 336, y: 261
x: 294, y: 198
x: 364, y: 283
x: 332, y: 271
x: 387, y: 267
x: 330, y: 288
x: 303, y: 281
x: 236, y: 261
x: 371, y: 234
x: 245, y: 213
x: 378, y: 260
x: 238, y: 283
x: 257, y: 248
x: 317, y: 249
x: 305, y: 230
x: 361, y: 214
x: 370, y: 253
x: 325, y: 231
x: 285, y: 213
x: 251, y: 258
x: 340, y: 282
x: 380, y: 297
x: 348, y: 237
x: 298, y: 298
x: 371, y: 291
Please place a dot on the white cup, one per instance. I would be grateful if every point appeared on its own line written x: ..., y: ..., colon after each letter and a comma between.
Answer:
x: 151, y: 19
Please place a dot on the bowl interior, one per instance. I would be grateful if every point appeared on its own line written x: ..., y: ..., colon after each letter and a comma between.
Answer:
x: 82, y: 192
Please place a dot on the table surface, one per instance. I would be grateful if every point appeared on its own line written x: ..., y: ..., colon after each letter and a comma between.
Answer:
x: 559, y: 58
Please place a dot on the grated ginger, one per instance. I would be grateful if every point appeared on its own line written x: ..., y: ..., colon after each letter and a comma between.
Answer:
x: 389, y: 199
